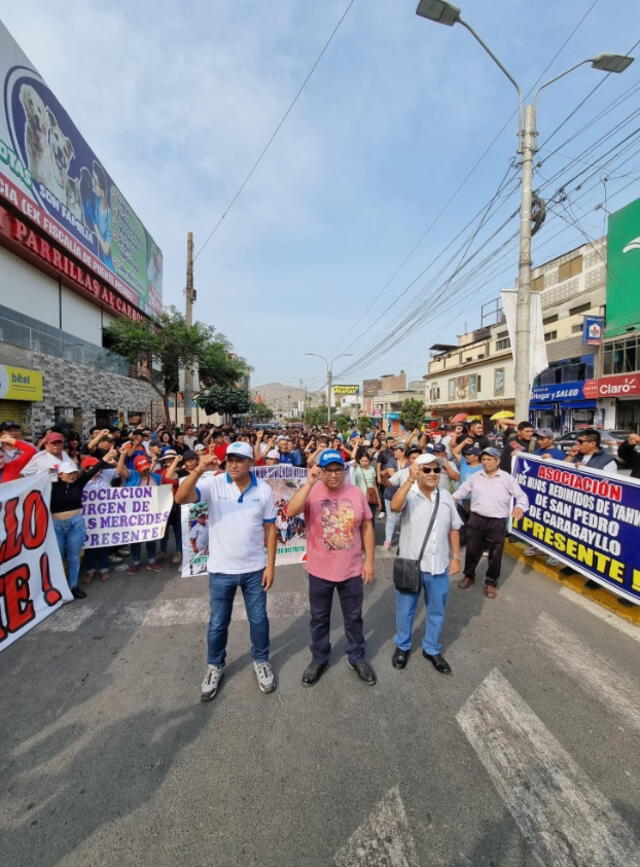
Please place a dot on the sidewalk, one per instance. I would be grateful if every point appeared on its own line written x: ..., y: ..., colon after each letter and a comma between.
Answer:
x: 574, y: 581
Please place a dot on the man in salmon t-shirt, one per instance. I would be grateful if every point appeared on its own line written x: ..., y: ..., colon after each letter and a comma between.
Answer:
x: 339, y: 530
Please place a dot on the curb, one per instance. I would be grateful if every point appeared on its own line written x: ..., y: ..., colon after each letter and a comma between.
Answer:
x: 604, y: 598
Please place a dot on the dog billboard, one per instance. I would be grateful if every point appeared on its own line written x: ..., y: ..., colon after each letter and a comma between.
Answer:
x: 49, y: 173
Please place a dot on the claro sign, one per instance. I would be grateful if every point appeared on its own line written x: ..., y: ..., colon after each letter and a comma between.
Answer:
x: 32, y: 242
x: 624, y: 385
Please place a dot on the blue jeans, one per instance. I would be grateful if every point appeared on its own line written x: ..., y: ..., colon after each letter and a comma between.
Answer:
x: 96, y: 558
x: 70, y: 534
x: 436, y: 590
x: 136, y: 552
x: 222, y: 589
x: 391, y: 523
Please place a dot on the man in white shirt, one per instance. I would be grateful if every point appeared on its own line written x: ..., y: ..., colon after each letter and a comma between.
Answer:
x: 50, y: 459
x: 242, y: 514
x: 417, y: 499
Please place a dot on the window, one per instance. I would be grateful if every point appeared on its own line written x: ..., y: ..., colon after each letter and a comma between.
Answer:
x: 452, y: 389
x: 537, y: 285
x: 575, y: 329
x: 549, y: 319
x: 474, y: 385
x: 550, y: 335
x: 622, y: 356
x: 570, y: 269
x: 505, y: 343
x: 581, y: 308
x: 498, y: 380
x: 434, y: 392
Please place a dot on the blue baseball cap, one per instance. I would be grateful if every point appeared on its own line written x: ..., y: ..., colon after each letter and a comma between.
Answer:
x: 494, y: 453
x: 330, y: 456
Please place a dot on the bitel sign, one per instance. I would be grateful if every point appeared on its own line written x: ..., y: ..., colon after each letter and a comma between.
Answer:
x: 588, y: 520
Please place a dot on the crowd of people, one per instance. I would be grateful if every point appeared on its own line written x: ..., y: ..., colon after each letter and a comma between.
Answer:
x: 453, y: 482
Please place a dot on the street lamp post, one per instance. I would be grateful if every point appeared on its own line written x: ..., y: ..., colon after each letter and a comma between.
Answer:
x: 329, y: 376
x: 446, y: 13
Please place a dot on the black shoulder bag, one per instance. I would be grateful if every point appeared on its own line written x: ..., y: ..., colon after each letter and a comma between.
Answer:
x: 406, y: 572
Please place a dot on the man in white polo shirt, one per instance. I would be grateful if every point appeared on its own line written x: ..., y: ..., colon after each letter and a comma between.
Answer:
x: 242, y: 514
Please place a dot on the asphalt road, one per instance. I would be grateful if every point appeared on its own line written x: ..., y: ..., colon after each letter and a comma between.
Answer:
x: 527, y: 755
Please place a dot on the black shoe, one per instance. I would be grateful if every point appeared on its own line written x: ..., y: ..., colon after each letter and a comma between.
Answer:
x: 364, y: 671
x: 592, y: 585
x: 313, y: 672
x: 438, y: 661
x: 399, y: 658
x: 77, y: 593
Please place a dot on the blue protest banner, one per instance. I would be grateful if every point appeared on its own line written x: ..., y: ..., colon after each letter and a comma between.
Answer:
x: 589, y: 520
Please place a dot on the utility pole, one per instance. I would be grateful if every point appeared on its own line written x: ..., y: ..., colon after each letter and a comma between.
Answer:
x: 443, y: 12
x: 190, y: 294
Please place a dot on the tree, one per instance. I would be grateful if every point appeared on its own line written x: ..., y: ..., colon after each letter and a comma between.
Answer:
x: 342, y: 423
x: 168, y: 343
x: 316, y: 416
x: 260, y: 411
x: 364, y: 424
x: 224, y: 399
x: 217, y: 365
x: 412, y: 413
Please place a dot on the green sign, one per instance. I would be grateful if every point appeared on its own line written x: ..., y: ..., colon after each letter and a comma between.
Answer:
x: 623, y: 270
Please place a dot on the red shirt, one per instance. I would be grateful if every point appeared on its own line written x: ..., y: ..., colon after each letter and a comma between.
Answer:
x: 221, y: 451
x: 12, y: 469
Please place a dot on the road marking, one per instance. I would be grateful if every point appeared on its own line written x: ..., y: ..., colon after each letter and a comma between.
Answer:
x: 563, y: 816
x: 67, y: 618
x: 618, y: 692
x: 383, y: 840
x: 172, y: 612
x: 610, y: 618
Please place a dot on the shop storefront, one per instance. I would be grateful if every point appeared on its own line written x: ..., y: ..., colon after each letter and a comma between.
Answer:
x: 562, y: 406
x: 619, y: 399
x: 19, y: 388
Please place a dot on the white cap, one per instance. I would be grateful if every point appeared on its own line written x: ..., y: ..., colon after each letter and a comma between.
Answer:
x: 68, y: 467
x: 273, y: 455
x: 427, y: 458
x: 198, y: 447
x: 240, y: 450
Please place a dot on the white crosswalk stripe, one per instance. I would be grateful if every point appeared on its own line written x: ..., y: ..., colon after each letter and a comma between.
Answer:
x: 619, y: 693
x: 170, y: 612
x: 564, y: 817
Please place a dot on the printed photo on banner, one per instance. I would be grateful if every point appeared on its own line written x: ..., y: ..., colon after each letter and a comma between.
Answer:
x: 285, y: 480
x: 122, y: 516
x: 195, y: 539
x: 589, y: 520
x: 32, y: 579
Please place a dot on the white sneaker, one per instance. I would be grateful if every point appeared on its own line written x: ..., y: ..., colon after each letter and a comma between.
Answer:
x: 530, y: 551
x: 382, y: 514
x: 553, y: 561
x: 211, y: 682
x: 386, y: 545
x: 265, y: 676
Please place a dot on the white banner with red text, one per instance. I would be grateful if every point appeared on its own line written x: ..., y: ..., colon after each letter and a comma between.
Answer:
x: 32, y: 579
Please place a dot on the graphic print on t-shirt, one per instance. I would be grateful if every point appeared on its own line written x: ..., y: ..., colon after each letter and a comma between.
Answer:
x: 338, y: 524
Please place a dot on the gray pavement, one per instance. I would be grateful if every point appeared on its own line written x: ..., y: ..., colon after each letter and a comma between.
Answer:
x: 526, y: 755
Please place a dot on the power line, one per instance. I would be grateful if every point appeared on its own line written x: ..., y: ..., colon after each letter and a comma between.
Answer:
x: 275, y: 132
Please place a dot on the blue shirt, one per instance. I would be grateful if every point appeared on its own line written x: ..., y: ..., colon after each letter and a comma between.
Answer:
x: 558, y: 454
x: 134, y: 479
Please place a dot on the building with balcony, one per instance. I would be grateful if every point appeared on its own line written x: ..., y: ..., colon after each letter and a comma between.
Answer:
x: 476, y: 375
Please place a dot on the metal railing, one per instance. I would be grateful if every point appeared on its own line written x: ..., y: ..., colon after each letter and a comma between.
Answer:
x: 19, y: 330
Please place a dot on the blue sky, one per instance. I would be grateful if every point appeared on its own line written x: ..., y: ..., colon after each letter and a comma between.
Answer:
x: 178, y: 101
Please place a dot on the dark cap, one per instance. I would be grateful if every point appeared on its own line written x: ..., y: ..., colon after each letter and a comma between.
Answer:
x: 7, y: 425
x: 439, y: 448
x: 189, y: 456
x: 471, y: 450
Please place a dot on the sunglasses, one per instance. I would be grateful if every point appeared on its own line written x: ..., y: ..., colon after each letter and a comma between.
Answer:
x: 432, y: 469
x: 336, y: 472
